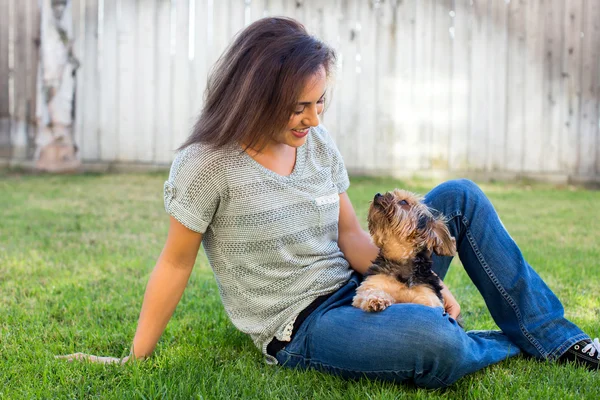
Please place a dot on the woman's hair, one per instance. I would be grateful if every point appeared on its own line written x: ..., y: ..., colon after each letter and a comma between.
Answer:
x: 254, y: 86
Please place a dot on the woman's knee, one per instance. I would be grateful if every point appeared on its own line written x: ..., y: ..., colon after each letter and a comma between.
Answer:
x: 456, y: 197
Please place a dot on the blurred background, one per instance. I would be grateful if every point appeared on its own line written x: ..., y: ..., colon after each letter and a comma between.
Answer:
x: 488, y: 89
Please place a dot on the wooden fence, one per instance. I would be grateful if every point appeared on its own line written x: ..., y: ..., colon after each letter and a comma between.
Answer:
x: 19, y: 39
x: 498, y: 87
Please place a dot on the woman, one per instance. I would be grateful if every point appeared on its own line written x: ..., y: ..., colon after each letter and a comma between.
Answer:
x: 263, y: 187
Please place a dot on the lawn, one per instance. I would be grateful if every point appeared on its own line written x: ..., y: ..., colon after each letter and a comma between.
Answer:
x: 76, y: 253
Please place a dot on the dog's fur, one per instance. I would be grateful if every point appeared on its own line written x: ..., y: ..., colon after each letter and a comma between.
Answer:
x: 407, y: 233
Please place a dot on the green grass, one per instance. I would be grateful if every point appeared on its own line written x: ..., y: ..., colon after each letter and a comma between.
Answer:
x: 76, y: 253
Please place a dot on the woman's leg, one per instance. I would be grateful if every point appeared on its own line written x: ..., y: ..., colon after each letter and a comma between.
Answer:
x: 405, y: 342
x: 518, y: 299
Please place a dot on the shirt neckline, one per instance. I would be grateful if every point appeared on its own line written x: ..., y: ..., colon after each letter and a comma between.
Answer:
x: 301, y: 154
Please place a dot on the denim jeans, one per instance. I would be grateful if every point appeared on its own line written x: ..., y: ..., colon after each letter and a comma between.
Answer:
x: 411, y: 342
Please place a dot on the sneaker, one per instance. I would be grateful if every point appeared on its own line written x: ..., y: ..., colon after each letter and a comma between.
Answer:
x: 585, y: 352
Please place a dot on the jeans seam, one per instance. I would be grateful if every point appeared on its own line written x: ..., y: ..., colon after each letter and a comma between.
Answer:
x: 500, y: 289
x: 560, y: 350
x: 316, y: 364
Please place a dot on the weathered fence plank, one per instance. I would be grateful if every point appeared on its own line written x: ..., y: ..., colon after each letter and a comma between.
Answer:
x: 480, y: 53
x: 402, y: 91
x: 89, y: 79
x: 127, y: 76
x: 163, y: 133
x: 552, y: 109
x: 571, y: 99
x: 496, y: 100
x: 534, y: 52
x: 23, y: 84
x: 347, y: 90
x: 109, y: 89
x: 515, y: 113
x: 441, y: 85
x: 181, y: 111
x: 461, y: 83
x: 144, y: 84
x: 590, y: 90
x: 5, y: 112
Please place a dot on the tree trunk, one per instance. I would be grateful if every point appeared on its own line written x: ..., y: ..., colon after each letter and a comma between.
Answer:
x: 56, y: 150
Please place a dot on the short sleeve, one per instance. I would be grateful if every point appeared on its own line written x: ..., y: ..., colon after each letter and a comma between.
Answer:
x: 192, y: 192
x: 339, y: 173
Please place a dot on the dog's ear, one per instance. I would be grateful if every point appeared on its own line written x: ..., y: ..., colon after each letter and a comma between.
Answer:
x: 440, y: 240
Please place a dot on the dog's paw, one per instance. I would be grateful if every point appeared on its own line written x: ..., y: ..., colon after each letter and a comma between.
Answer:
x: 375, y: 304
x: 372, y: 300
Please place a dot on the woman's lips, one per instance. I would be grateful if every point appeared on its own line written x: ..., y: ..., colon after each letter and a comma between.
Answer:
x: 300, y: 134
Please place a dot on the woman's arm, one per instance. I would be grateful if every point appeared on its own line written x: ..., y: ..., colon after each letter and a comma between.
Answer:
x: 165, y: 287
x: 163, y: 292
x: 355, y: 243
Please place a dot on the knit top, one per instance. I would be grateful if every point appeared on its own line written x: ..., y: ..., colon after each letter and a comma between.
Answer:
x: 271, y: 240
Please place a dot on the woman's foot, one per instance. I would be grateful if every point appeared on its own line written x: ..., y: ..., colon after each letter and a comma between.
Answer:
x: 585, y: 352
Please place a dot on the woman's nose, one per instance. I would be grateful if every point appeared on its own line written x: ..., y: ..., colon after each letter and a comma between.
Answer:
x: 311, y: 118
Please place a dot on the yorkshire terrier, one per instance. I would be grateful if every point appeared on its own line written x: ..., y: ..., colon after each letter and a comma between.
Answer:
x: 407, y: 233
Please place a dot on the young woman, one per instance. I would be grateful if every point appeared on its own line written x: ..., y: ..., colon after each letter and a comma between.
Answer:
x: 261, y: 184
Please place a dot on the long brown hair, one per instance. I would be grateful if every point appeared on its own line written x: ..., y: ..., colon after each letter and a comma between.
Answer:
x: 254, y: 86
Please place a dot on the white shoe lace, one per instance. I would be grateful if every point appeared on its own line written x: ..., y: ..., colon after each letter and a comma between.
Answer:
x: 592, y: 348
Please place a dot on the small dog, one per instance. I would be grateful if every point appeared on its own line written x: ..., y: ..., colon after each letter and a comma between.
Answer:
x: 407, y: 233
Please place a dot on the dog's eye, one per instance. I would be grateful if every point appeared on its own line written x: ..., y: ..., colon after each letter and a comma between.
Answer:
x: 403, y: 202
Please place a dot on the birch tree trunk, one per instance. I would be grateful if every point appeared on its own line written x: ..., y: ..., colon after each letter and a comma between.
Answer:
x: 56, y: 150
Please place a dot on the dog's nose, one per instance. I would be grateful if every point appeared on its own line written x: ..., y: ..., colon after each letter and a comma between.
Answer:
x: 377, y: 195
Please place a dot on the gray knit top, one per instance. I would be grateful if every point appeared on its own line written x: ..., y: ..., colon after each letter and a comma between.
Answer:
x: 271, y: 240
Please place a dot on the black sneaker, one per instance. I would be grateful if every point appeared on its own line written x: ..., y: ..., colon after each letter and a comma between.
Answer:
x: 585, y: 352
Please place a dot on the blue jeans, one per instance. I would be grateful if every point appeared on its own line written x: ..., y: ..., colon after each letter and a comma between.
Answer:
x: 410, y: 342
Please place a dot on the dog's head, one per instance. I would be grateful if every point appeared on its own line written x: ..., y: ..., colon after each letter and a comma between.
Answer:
x: 402, y: 226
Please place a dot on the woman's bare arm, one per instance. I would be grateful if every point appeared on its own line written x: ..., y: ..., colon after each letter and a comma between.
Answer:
x: 163, y: 292
x: 355, y: 242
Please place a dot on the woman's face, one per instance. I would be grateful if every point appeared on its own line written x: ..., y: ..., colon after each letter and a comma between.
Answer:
x: 306, y: 114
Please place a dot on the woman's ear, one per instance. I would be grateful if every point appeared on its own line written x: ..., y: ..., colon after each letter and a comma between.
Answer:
x: 440, y: 240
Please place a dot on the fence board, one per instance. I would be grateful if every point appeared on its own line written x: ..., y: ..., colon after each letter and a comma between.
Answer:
x: 109, y: 89
x: 441, y: 85
x: 258, y: 9
x: 423, y: 80
x: 145, y: 70
x: 182, y: 120
x: 367, y: 126
x: 163, y: 133
x: 331, y: 36
x: 126, y: 70
x: 552, y: 109
x: 496, y: 103
x: 533, y: 136
x: 385, y: 68
x: 200, y: 65
x: 347, y: 87
x: 5, y: 144
x: 515, y: 128
x: 478, y: 134
x: 461, y: 83
x: 590, y: 89
x: 571, y: 99
x: 404, y: 118
x: 77, y: 15
x: 90, y: 147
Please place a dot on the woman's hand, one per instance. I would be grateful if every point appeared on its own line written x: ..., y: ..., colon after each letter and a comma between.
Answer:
x: 450, y: 304
x: 94, y: 359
